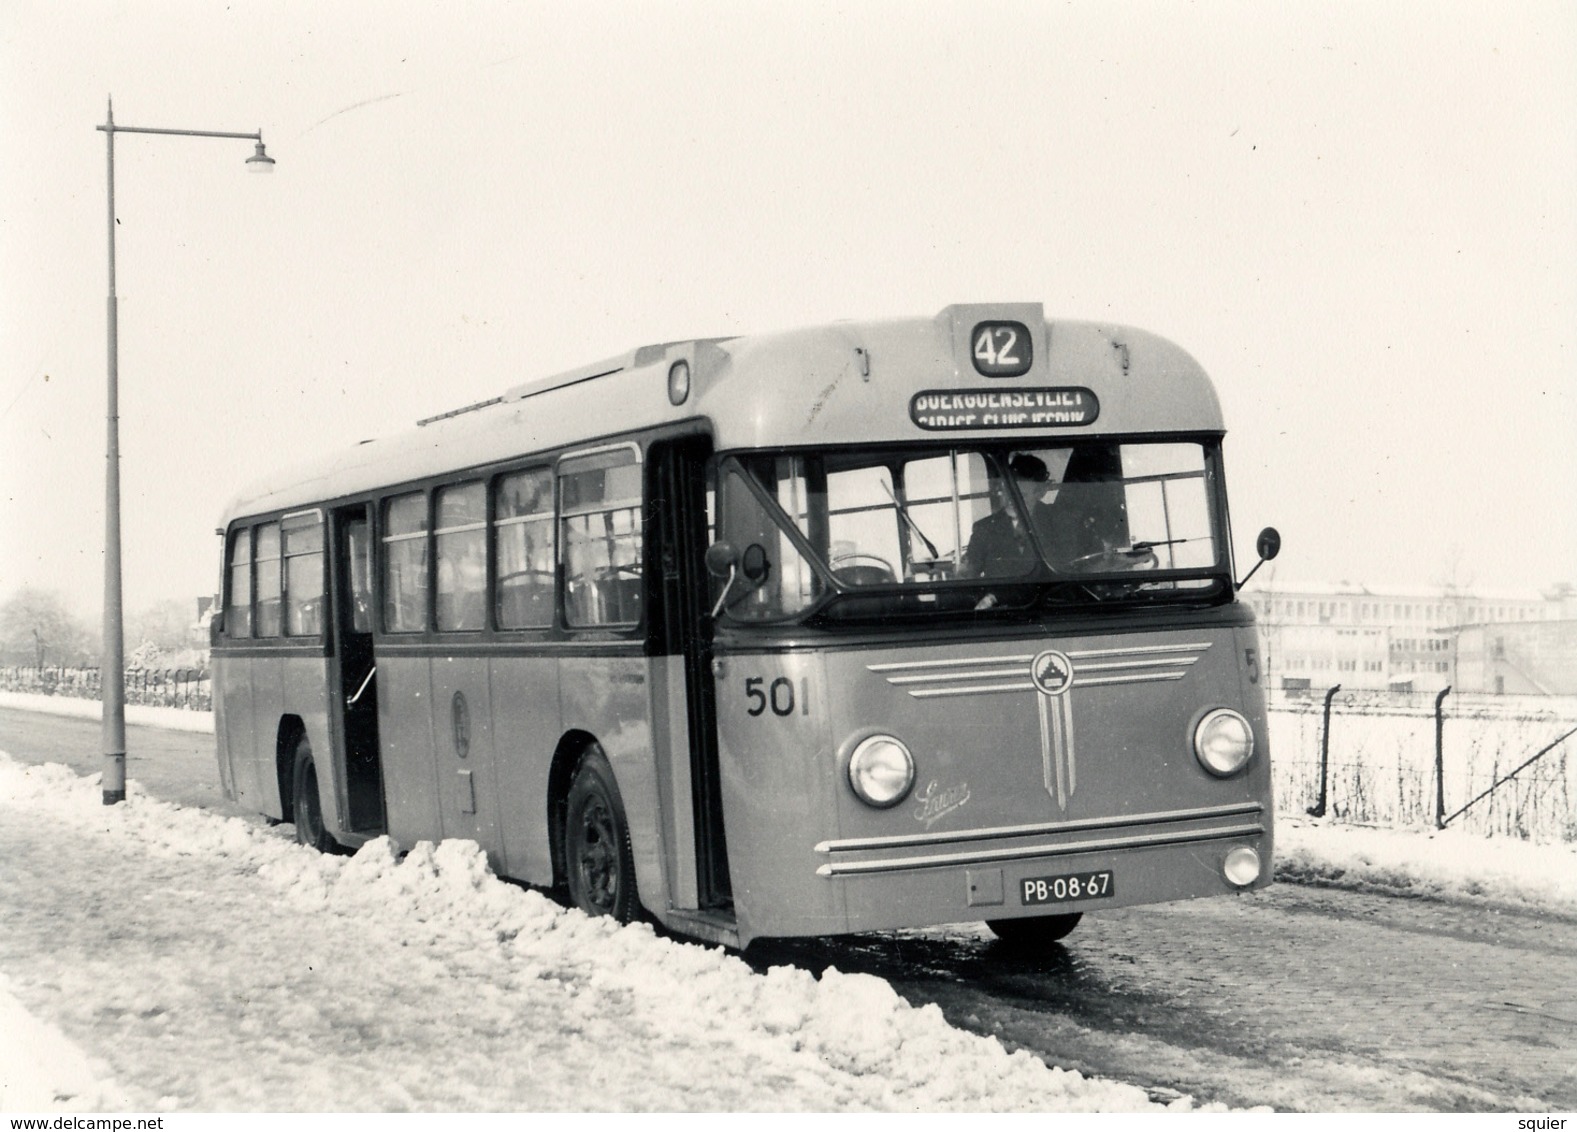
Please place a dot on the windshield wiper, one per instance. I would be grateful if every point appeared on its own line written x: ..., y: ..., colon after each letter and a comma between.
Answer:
x: 909, y: 519
x: 1145, y: 546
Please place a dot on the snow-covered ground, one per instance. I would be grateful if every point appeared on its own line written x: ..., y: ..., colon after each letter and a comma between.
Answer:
x: 236, y: 971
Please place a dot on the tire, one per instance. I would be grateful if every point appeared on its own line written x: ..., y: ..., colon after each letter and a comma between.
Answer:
x: 1035, y: 931
x: 597, y: 857
x: 306, y: 806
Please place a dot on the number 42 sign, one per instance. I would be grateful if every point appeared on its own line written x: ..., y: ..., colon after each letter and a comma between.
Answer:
x: 1002, y: 349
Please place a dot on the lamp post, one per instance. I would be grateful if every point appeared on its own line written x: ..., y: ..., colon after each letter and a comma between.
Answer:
x: 112, y: 678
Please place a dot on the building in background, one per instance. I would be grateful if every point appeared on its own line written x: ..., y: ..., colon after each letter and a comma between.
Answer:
x: 1416, y: 640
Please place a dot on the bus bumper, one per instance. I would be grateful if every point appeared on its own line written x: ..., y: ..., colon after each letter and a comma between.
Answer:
x: 895, y: 885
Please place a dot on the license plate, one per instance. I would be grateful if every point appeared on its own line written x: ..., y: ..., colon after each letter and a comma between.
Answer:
x: 1069, y: 886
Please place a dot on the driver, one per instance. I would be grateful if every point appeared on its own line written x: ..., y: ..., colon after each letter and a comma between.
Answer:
x: 1000, y: 545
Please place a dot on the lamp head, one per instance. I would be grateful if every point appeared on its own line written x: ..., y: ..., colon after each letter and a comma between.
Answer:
x: 260, y: 162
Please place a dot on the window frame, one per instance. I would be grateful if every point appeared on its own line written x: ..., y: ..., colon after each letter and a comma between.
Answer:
x: 384, y: 539
x: 495, y: 544
x: 602, y: 457
x: 285, y: 556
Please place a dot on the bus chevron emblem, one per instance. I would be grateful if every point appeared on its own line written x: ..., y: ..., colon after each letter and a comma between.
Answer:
x: 1051, y: 674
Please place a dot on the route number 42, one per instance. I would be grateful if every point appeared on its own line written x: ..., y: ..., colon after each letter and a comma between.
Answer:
x: 1002, y: 349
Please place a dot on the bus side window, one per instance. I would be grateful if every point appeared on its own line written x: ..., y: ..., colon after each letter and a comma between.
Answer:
x: 523, y: 549
x: 405, y: 563
x: 358, y: 539
x: 303, y: 549
x: 461, y: 536
x: 238, y: 610
x: 266, y: 592
x: 600, y: 521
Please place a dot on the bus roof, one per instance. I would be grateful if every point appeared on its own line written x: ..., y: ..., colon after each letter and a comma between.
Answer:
x: 976, y: 371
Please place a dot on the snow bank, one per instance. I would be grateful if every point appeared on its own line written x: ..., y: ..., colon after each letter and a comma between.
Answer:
x: 172, y: 719
x: 1445, y: 864
x: 533, y: 1006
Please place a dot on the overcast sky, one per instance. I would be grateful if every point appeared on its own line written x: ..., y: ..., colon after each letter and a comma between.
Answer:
x: 1360, y: 217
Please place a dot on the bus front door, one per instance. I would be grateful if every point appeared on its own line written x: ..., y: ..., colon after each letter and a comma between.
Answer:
x: 685, y: 641
x: 356, y: 686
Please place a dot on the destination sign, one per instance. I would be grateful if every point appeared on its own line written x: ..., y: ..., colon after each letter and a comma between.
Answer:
x: 942, y: 410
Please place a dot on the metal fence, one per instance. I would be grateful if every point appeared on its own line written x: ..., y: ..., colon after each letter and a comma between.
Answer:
x: 1497, y: 765
x: 187, y: 688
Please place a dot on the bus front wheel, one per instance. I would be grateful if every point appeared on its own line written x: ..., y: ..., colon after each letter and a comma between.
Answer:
x: 597, y: 852
x: 306, y: 806
x: 1034, y: 930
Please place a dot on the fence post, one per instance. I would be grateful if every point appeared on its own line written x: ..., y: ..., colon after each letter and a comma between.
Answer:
x: 1440, y: 758
x: 1318, y: 809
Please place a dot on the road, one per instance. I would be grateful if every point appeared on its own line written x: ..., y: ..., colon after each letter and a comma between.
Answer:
x: 1294, y: 997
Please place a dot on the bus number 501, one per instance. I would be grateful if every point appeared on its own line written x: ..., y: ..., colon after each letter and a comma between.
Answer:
x: 779, y: 696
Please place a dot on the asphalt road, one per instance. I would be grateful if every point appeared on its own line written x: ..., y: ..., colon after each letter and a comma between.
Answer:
x: 1294, y: 997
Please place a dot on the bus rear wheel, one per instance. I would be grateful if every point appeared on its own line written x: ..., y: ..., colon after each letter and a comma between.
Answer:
x: 1032, y: 931
x: 597, y: 854
x: 306, y: 806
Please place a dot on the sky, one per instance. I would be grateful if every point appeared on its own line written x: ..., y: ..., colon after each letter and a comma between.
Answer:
x: 1360, y: 218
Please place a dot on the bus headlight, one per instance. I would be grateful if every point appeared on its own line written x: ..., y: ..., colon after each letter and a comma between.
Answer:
x: 1223, y: 742
x: 881, y: 771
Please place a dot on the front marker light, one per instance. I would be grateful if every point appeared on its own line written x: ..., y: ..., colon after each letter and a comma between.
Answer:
x: 1241, y: 868
x: 1223, y: 742
x: 881, y: 771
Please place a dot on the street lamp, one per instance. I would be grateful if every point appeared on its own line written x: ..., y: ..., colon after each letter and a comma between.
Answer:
x: 112, y: 679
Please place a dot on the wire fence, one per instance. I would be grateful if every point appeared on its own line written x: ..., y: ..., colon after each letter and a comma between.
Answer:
x: 1389, y: 760
x: 187, y: 688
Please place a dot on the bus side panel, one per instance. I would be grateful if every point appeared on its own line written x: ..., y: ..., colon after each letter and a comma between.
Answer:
x: 410, y: 786
x: 607, y: 698
x: 234, y: 723
x: 304, y: 692
x: 463, y: 754
x: 267, y: 706
x: 525, y: 715
x: 778, y: 762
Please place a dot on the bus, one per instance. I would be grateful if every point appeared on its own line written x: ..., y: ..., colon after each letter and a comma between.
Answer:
x: 857, y: 627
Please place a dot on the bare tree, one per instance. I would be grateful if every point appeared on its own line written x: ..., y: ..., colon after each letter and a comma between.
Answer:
x: 36, y: 626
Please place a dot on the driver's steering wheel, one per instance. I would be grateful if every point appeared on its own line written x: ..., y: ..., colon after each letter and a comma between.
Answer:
x: 1115, y: 557
x: 858, y: 563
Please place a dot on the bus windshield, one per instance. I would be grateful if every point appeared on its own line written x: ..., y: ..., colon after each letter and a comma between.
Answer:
x: 859, y: 533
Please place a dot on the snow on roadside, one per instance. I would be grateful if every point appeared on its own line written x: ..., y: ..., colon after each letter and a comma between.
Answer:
x: 552, y: 1009
x: 172, y: 719
x: 42, y: 1070
x: 1451, y: 864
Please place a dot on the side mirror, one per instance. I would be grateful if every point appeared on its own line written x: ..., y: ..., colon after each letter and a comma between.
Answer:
x: 1268, y: 545
x: 721, y: 559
